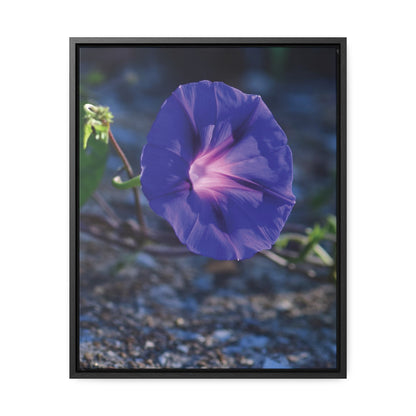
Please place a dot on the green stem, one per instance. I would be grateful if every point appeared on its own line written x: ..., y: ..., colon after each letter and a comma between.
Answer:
x: 129, y: 170
x: 130, y: 183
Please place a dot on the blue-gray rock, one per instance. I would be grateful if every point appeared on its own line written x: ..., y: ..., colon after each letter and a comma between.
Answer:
x: 222, y: 335
x: 85, y: 336
x: 146, y: 260
x: 278, y: 362
x: 183, y: 348
x: 165, y: 295
x: 204, y: 282
x: 253, y: 341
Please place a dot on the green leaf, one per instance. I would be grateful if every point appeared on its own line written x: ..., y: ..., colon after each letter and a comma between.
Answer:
x: 92, y: 162
x: 100, y: 128
x: 314, y: 237
x: 101, y: 132
x: 93, y: 153
x: 331, y: 224
x: 87, y: 134
x: 323, y: 255
x: 131, y: 183
x: 317, y: 233
x: 281, y: 242
x: 96, y: 121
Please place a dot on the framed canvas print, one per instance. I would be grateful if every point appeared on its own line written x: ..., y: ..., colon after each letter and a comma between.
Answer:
x: 208, y: 207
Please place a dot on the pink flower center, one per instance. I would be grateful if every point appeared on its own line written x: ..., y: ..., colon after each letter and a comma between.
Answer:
x: 208, y: 174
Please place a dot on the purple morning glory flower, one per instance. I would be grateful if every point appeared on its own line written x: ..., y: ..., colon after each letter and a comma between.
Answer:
x: 218, y: 168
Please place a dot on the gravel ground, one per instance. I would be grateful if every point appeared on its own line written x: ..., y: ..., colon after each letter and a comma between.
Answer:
x: 137, y: 311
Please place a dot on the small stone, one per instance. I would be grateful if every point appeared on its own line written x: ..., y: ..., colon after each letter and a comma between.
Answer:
x: 294, y: 358
x: 247, y: 361
x: 164, y: 359
x: 149, y: 321
x: 162, y: 292
x: 222, y: 335
x: 204, y: 282
x: 88, y: 356
x: 183, y: 348
x: 180, y: 334
x: 149, y: 344
x: 233, y: 350
x: 166, y: 295
x: 279, y: 362
x: 284, y: 305
x: 146, y: 260
x: 85, y: 336
x: 180, y: 322
x: 253, y: 341
x: 171, y: 360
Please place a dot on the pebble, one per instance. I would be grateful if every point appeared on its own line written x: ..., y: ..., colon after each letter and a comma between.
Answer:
x: 253, y: 341
x: 190, y: 304
x: 247, y: 361
x: 183, y: 348
x: 204, y: 282
x: 233, y: 350
x: 149, y: 344
x: 278, y: 362
x: 285, y: 305
x: 187, y: 335
x: 294, y: 358
x: 162, y: 291
x: 222, y: 335
x: 164, y: 358
x: 168, y: 359
x: 146, y: 260
x: 180, y: 322
x: 85, y: 336
x: 165, y: 295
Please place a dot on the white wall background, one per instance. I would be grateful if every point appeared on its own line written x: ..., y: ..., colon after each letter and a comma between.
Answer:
x: 34, y: 207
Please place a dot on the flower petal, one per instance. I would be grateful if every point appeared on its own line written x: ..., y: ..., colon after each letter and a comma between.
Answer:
x: 213, y: 103
x: 230, y: 226
x: 272, y: 170
x: 264, y: 128
x: 199, y: 103
x: 163, y: 172
x: 207, y: 236
x: 251, y: 228
x: 174, y: 130
x: 176, y: 209
x: 233, y: 107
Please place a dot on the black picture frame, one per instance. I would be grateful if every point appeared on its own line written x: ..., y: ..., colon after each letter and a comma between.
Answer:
x: 341, y: 292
